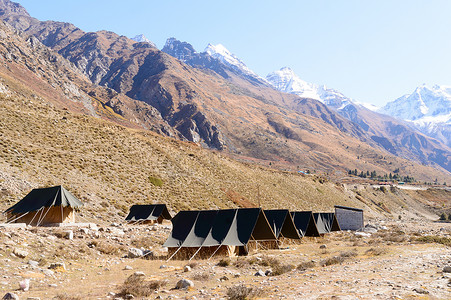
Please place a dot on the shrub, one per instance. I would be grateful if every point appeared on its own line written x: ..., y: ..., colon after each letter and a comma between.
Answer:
x: 201, y: 276
x: 305, y: 265
x: 443, y: 217
x: 137, y: 286
x: 156, y: 181
x: 348, y: 254
x: 332, y: 261
x: 66, y: 297
x: 268, y: 261
x: 225, y: 262
x: 376, y: 251
x: 435, y: 239
x: 242, y: 292
x: 281, y: 269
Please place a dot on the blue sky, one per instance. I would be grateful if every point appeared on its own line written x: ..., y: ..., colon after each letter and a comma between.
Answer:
x: 372, y: 51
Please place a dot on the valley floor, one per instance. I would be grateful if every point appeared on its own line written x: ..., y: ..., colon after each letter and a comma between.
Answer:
x: 396, y: 262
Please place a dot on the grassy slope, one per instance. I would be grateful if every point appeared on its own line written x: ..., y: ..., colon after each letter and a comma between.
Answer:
x: 109, y: 167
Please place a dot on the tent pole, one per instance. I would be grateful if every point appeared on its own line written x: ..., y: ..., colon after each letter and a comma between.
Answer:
x: 174, y: 254
x: 215, y: 252
x: 62, y: 214
x: 17, y: 218
x: 39, y: 222
x: 36, y: 214
x: 195, y: 253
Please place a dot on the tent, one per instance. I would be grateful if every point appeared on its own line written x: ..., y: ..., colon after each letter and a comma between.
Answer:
x: 282, y: 223
x: 44, y: 206
x: 305, y: 223
x: 326, y: 222
x: 349, y: 218
x: 148, y: 213
x: 209, y: 232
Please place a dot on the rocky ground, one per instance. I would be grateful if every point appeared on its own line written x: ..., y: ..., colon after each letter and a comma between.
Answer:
x: 390, y: 260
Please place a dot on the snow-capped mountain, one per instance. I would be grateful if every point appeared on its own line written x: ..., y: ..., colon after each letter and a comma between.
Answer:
x: 429, y: 109
x: 285, y: 80
x: 141, y: 38
x: 226, y: 57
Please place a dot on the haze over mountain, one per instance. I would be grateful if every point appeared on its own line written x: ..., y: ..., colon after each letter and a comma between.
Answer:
x: 216, y: 101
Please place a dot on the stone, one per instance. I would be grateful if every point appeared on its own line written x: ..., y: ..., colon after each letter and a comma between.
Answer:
x: 69, y: 234
x: 186, y: 269
x: 57, y: 266
x: 184, y: 284
x: 33, y: 263
x: 139, y: 273
x: 33, y: 298
x: 10, y: 296
x: 48, y: 272
x: 236, y: 275
x: 420, y: 291
x: 447, y: 269
x: 323, y: 247
x: 128, y: 268
x: 135, y: 253
x: 268, y: 272
x: 20, y: 253
x: 224, y: 278
x: 53, y: 285
x: 260, y: 273
x: 129, y: 296
x: 24, y: 285
x: 163, y: 267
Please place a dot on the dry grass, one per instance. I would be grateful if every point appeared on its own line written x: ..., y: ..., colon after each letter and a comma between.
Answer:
x: 225, y: 262
x: 242, y: 292
x: 376, y: 251
x: 305, y: 265
x: 202, y: 276
x: 67, y: 297
x: 435, y: 239
x: 137, y: 286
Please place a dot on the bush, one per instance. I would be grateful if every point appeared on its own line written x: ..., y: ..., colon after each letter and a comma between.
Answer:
x: 376, y: 251
x: 305, y: 265
x: 156, y: 181
x: 443, y: 217
x: 332, y: 261
x: 281, y: 269
x: 348, y: 254
x: 435, y: 239
x: 137, y: 286
x: 242, y: 292
x: 225, y: 262
x: 66, y: 297
x: 201, y: 276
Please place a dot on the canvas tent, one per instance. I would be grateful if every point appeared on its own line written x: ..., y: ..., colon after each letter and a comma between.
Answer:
x: 305, y: 223
x: 148, y: 213
x: 326, y: 222
x: 349, y: 218
x: 209, y: 232
x: 44, y: 206
x: 282, y: 223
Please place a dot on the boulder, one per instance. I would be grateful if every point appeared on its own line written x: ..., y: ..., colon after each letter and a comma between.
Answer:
x: 186, y: 269
x: 20, y: 253
x: 135, y: 253
x: 447, y: 269
x: 260, y: 273
x: 184, y: 284
x: 58, y: 266
x: 24, y: 285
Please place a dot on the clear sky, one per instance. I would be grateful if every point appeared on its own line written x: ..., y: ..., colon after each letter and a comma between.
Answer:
x: 372, y: 51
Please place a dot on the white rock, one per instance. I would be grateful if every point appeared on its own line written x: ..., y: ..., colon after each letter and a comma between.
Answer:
x: 20, y: 253
x: 184, y: 284
x: 24, y: 284
x: 186, y: 269
x: 134, y: 253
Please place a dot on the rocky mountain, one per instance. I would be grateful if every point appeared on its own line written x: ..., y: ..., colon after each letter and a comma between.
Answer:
x: 427, y: 108
x: 140, y: 38
x: 285, y: 80
x: 218, y: 108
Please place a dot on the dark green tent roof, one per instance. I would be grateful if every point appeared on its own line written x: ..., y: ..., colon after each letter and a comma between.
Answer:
x: 305, y: 223
x: 231, y: 227
x: 148, y: 212
x: 326, y: 222
x: 45, y: 197
x: 282, y: 223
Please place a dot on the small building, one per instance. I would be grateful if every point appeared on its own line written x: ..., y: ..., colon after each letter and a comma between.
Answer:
x: 148, y: 214
x: 349, y: 218
x: 44, y: 206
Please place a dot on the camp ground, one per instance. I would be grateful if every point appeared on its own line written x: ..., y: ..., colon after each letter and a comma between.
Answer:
x: 229, y: 232
x: 326, y: 222
x: 305, y: 223
x: 349, y: 218
x: 148, y: 214
x: 44, y: 206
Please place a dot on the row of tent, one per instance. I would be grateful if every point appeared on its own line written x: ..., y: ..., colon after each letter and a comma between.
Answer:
x: 198, y: 232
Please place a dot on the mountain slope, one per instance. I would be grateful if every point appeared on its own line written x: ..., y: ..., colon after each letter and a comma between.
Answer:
x: 428, y: 109
x: 233, y: 114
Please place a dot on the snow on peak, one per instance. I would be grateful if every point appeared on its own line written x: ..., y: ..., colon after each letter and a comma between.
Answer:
x: 285, y: 80
x: 141, y: 38
x: 225, y: 56
x: 424, y: 102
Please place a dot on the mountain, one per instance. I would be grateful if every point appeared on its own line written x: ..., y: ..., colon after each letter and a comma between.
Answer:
x: 285, y: 80
x: 427, y: 108
x: 140, y: 38
x: 220, y: 108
